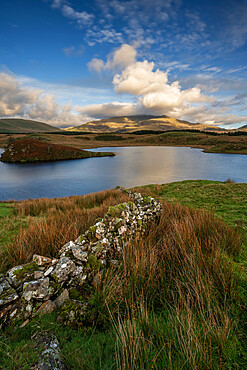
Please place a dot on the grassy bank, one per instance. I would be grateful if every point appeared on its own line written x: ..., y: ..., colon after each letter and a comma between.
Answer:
x: 209, y: 141
x: 177, y: 299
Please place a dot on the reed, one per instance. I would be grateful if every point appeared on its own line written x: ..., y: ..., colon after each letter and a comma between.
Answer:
x: 172, y: 303
x: 51, y: 223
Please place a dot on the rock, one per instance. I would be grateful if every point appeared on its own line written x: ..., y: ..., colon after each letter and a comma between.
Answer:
x: 24, y: 323
x: 62, y: 298
x: 38, y: 275
x: 63, y: 268
x: 50, y: 357
x: 7, y: 293
x: 79, y: 253
x: 49, y: 271
x: 41, y: 260
x: 36, y: 289
x: 18, y: 274
x: 47, y: 307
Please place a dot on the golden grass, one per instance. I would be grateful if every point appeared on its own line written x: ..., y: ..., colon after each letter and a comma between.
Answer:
x: 172, y: 302
x: 54, y: 222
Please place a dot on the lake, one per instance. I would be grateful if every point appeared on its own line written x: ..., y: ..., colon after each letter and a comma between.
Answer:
x: 131, y: 166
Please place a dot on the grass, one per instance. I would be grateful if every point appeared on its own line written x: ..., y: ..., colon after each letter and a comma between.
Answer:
x: 43, y: 225
x: 209, y: 141
x: 176, y: 301
x: 226, y: 200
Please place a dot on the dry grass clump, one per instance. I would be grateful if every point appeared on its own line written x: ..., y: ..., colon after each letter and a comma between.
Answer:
x: 54, y: 222
x: 172, y: 301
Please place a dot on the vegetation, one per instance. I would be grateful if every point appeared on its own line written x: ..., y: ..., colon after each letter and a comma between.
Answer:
x: 210, y: 141
x: 15, y: 125
x: 35, y: 150
x: 177, y: 300
x: 43, y: 225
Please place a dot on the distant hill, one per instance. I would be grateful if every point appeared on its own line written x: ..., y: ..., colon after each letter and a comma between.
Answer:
x: 140, y: 122
x: 18, y: 125
x: 242, y: 128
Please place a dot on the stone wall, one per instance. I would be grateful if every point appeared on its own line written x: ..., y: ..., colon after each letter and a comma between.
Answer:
x: 46, y: 284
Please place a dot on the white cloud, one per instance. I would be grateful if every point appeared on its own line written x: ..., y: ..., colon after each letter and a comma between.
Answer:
x: 13, y: 97
x: 17, y: 100
x: 108, y: 109
x: 82, y: 18
x: 96, y: 65
x: 70, y: 51
x: 119, y: 59
x: 154, y: 90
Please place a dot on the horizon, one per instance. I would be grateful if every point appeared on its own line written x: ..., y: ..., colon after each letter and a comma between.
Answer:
x: 66, y: 63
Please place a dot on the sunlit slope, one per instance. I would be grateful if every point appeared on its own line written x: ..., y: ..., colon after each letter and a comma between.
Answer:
x: 18, y: 125
x: 140, y: 122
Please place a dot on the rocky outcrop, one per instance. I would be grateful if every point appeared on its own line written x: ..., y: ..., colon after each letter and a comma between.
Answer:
x: 65, y: 282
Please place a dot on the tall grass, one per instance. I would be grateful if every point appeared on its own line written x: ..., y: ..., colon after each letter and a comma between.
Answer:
x: 173, y: 301
x: 53, y: 222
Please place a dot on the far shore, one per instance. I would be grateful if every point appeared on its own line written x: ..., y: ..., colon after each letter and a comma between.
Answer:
x: 208, y: 142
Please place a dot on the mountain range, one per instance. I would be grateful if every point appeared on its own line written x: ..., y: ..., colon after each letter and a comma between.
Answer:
x: 141, y: 122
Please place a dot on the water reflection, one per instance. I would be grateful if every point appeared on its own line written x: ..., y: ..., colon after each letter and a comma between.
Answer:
x: 131, y: 166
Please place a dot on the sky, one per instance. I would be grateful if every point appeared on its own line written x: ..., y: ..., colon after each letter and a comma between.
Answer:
x: 68, y: 62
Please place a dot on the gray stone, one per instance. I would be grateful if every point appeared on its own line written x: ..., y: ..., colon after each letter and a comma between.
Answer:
x: 37, y: 289
x: 7, y: 293
x: 38, y: 275
x: 79, y: 254
x: 62, y: 298
x: 47, y: 307
x: 50, y: 357
x: 63, y: 268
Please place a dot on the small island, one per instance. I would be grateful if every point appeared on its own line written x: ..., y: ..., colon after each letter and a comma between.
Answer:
x: 35, y: 150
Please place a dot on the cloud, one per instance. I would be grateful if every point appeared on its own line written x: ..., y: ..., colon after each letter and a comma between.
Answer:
x: 99, y: 35
x: 82, y: 18
x: 119, y: 59
x: 13, y: 97
x: 108, y: 110
x: 154, y: 94
x: 72, y: 51
x: 30, y: 103
x: 140, y: 79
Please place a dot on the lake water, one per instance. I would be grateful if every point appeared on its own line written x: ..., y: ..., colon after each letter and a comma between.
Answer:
x: 131, y: 166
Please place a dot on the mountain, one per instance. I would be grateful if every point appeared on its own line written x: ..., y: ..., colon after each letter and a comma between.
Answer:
x: 140, y: 122
x: 18, y: 125
x: 242, y: 128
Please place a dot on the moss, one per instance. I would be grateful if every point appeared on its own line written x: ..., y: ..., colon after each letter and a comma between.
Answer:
x: 27, y: 269
x: 75, y: 294
x: 94, y: 263
x: 100, y: 247
x: 116, y: 211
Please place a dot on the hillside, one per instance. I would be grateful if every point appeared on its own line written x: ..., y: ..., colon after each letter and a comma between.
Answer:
x: 140, y: 122
x: 242, y: 128
x: 18, y: 125
x: 35, y: 150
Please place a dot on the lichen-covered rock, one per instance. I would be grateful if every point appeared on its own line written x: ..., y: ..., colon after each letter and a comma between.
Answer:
x: 47, y: 307
x: 50, y: 357
x: 62, y: 298
x: 18, y: 274
x: 79, y: 254
x: 63, y: 269
x: 7, y: 293
x: 42, y: 260
x: 36, y: 289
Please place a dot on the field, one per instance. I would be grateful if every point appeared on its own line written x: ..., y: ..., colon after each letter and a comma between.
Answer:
x: 209, y: 141
x: 179, y: 298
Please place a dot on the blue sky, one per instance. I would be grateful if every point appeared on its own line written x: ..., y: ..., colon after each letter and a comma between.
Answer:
x: 66, y: 62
